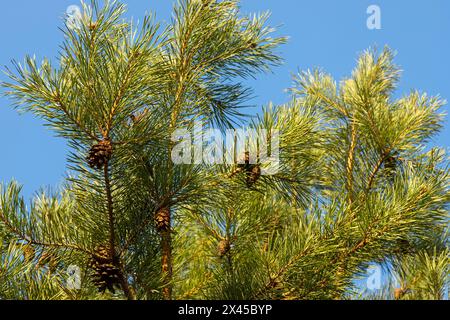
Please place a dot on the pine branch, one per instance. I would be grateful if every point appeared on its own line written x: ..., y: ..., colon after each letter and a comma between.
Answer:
x: 110, y: 211
x: 351, y: 162
x: 75, y: 121
x: 377, y: 168
x: 29, y: 238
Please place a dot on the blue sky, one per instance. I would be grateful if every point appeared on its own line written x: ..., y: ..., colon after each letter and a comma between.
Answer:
x: 325, y: 33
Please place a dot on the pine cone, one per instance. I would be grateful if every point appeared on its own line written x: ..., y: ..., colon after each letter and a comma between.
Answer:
x: 253, y: 176
x: 29, y: 253
x: 162, y: 219
x: 400, y: 293
x: 253, y: 45
x: 106, y: 275
x: 100, y: 154
x: 224, y: 247
x: 93, y: 26
x: 253, y: 171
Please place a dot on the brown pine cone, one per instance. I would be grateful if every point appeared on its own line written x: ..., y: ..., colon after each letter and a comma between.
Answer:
x: 224, y: 247
x: 162, y: 219
x: 99, y: 154
x: 106, y: 275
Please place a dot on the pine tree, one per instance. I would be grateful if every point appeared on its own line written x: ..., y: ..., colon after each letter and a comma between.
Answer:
x: 355, y: 183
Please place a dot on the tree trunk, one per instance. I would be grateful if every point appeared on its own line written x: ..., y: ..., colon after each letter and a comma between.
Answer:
x: 166, y: 251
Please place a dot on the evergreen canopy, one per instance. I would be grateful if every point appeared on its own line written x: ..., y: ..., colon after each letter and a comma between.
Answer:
x: 357, y: 183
